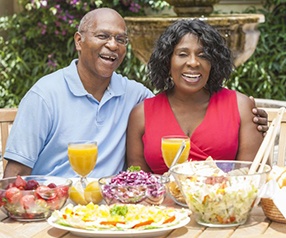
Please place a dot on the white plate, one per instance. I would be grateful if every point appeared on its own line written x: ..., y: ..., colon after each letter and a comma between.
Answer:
x: 115, y: 234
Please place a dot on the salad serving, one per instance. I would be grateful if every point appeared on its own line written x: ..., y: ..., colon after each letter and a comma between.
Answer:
x: 220, y: 201
x: 222, y: 197
x: 118, y: 217
x: 33, y: 197
x: 133, y: 186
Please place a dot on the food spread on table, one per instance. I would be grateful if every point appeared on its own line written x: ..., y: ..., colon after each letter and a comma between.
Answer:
x: 118, y: 217
x: 123, y: 215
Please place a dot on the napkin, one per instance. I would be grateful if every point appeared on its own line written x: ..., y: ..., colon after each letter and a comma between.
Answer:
x: 272, y: 190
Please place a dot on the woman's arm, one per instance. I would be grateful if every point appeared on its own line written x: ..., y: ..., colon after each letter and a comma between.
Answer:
x: 134, y: 143
x: 249, y: 137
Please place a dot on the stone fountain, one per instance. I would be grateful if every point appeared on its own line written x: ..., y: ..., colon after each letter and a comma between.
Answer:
x: 239, y: 30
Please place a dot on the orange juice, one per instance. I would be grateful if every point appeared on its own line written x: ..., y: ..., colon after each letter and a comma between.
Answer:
x: 82, y: 157
x: 170, y: 146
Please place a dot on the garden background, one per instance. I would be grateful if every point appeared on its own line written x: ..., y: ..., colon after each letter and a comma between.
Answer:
x: 39, y: 40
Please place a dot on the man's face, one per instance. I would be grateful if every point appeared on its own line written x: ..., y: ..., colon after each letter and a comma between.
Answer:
x: 102, y: 45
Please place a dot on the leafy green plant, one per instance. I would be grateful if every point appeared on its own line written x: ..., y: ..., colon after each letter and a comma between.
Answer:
x: 39, y: 40
x: 264, y: 74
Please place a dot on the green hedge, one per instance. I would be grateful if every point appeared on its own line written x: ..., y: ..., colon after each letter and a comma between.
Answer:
x: 264, y: 74
x: 39, y: 40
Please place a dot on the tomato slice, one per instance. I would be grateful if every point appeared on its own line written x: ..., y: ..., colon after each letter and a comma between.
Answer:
x: 170, y: 219
x: 144, y: 223
x: 112, y: 223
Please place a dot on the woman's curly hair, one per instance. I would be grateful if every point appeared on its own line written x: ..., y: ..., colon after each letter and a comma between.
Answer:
x: 214, y: 46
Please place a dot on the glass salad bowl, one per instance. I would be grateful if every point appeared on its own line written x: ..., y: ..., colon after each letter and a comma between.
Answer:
x: 219, y: 193
x: 33, y: 198
x: 136, y: 187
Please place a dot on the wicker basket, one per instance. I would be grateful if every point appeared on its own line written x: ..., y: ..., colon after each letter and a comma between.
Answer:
x: 271, y: 211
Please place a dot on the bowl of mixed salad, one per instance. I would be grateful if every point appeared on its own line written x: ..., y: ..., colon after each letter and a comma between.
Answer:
x: 33, y: 198
x: 219, y: 193
x: 133, y: 186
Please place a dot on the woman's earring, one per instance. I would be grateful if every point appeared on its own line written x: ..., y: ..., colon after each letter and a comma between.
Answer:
x: 170, y: 82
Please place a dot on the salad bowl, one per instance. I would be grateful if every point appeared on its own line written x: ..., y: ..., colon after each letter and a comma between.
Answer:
x: 33, y: 198
x: 219, y: 193
x: 132, y: 187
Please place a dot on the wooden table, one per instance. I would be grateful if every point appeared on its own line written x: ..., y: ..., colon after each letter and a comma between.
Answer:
x: 258, y: 226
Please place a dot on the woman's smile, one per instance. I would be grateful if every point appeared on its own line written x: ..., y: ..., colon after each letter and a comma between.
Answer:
x: 191, y: 78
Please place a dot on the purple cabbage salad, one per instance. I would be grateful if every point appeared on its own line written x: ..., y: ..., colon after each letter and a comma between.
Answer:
x: 133, y: 185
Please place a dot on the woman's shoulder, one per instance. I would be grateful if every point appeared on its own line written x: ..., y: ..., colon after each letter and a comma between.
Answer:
x: 243, y: 99
x: 245, y: 105
x: 158, y: 97
x: 225, y: 92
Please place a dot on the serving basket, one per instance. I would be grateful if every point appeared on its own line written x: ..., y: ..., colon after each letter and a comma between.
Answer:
x: 271, y: 211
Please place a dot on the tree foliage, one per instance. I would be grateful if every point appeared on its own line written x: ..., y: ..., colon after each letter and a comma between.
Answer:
x: 39, y: 40
x: 264, y: 74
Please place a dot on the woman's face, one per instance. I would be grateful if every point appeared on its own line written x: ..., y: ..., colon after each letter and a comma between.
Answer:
x: 190, y: 70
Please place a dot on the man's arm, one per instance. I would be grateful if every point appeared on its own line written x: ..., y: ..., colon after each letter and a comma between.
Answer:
x: 14, y: 168
x: 260, y: 118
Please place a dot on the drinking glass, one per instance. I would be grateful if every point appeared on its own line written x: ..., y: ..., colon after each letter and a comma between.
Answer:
x: 170, y: 146
x: 82, y: 157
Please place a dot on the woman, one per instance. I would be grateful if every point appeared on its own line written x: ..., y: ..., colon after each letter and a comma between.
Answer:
x: 188, y: 66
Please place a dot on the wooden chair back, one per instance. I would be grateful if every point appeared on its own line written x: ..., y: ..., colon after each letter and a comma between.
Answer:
x: 7, y: 116
x: 278, y: 155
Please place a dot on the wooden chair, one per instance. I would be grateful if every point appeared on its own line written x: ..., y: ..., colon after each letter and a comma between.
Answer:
x: 278, y: 155
x: 7, y: 116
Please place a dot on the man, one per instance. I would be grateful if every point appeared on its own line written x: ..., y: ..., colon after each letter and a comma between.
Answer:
x: 85, y: 101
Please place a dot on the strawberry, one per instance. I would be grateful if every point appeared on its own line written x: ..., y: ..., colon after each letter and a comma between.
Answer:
x: 20, y: 183
x: 27, y: 201
x: 31, y: 184
x: 62, y: 191
x: 52, y: 185
x: 10, y: 185
x: 13, y: 195
x: 45, y: 192
x: 54, y: 203
x: 2, y: 198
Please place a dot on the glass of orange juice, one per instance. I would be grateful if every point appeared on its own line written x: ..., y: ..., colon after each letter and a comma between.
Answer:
x: 82, y: 157
x: 170, y: 146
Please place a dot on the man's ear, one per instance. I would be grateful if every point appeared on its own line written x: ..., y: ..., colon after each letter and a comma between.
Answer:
x: 77, y: 40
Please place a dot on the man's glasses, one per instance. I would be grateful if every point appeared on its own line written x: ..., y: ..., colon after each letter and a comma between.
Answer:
x: 120, y: 39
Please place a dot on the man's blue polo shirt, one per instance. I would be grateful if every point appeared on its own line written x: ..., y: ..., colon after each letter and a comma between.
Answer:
x: 58, y: 110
